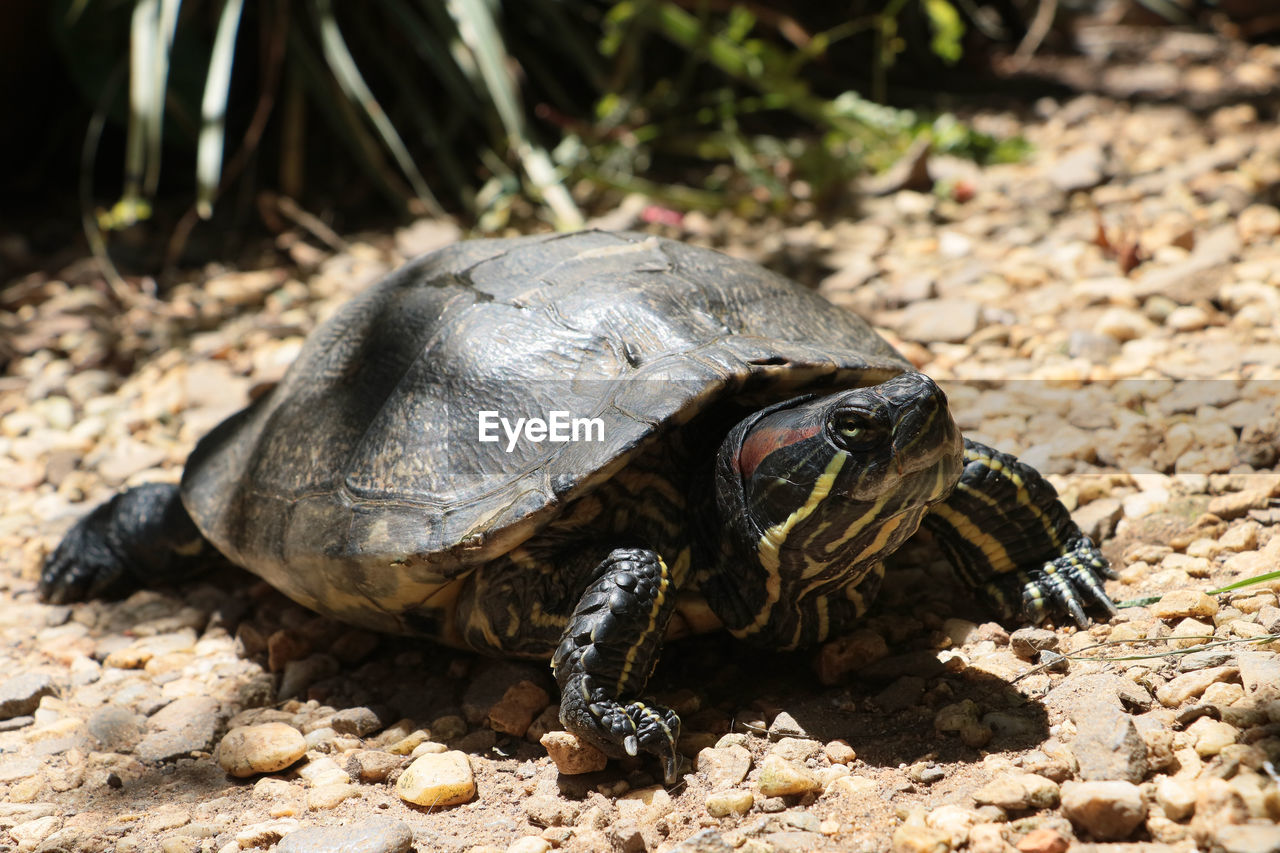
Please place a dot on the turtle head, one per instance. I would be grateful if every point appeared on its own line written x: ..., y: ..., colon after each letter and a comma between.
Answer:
x: 817, y: 490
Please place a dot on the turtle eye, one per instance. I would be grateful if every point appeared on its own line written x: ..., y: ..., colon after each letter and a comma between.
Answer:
x: 855, y: 430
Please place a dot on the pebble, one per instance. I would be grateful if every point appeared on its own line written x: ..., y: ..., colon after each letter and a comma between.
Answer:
x: 1108, y: 811
x: 443, y: 779
x: 840, y: 752
x: 987, y: 838
x: 1183, y: 603
x: 911, y: 838
x: 1027, y: 643
x: 30, y: 834
x: 724, y: 766
x: 1107, y: 744
x: 903, y: 693
x: 1122, y: 324
x: 1080, y: 169
x: 322, y: 770
x: 1237, y: 504
x: 571, y: 754
x: 1176, y: 797
x: 1211, y: 736
x: 796, y: 749
x: 780, y: 778
x: 1189, y: 685
x: 1206, y: 659
x: 726, y: 803
x: 180, y: 728
x: 266, y: 748
x: 940, y: 320
x: 1017, y: 791
x: 1258, y: 671
x: 330, y: 795
x: 1249, y: 838
x: 515, y: 711
x: 954, y: 821
x: 962, y: 718
x: 1043, y: 840
x: 529, y: 844
x: 360, y: 722
x: 266, y: 833
x: 551, y: 810
x: 21, y: 694
x: 849, y: 653
x: 372, y: 835
x: 785, y: 725
x: 372, y: 765
x: 115, y: 728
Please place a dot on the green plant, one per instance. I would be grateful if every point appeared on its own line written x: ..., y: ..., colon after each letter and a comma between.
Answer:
x: 468, y: 105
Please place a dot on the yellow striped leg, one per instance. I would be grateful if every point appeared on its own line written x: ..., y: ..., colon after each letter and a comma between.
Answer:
x: 1006, y: 533
x: 607, y: 653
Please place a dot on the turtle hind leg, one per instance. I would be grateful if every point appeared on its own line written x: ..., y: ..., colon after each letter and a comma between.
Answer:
x: 1008, y: 535
x: 142, y: 536
x: 607, y: 653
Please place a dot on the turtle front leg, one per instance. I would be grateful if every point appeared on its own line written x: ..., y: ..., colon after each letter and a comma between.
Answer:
x: 142, y: 536
x: 607, y: 652
x: 1006, y: 533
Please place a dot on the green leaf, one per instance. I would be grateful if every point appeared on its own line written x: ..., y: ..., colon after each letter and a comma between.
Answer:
x: 479, y: 32
x: 948, y: 29
x: 213, y: 108
x: 345, y: 71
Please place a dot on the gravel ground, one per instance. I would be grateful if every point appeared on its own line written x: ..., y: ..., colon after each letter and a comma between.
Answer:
x: 1128, y: 275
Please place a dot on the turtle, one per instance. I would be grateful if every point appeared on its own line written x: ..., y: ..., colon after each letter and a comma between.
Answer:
x: 698, y: 443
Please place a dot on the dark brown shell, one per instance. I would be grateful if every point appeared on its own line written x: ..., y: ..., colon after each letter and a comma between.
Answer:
x: 366, y: 455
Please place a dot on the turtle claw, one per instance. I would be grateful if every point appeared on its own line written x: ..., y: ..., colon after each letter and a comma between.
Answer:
x: 1065, y: 584
x: 622, y: 731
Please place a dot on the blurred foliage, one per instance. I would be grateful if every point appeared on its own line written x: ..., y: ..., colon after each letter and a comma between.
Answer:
x: 472, y: 105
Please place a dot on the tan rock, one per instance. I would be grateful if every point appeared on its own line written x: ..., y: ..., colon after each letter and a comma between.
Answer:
x: 529, y: 844
x: 726, y: 803
x: 442, y: 779
x: 910, y: 838
x: 1105, y: 810
x: 780, y: 777
x: 515, y: 711
x: 1212, y: 736
x: 571, y: 754
x: 725, y: 767
x: 264, y: 748
x: 1191, y: 684
x: 1177, y: 798
x: 1043, y: 840
x: 840, y: 752
x: 1182, y: 603
x: 330, y: 795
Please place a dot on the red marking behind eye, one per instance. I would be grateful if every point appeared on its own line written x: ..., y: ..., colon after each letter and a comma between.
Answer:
x: 764, y: 440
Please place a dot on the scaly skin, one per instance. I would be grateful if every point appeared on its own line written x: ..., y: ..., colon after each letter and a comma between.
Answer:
x: 607, y: 653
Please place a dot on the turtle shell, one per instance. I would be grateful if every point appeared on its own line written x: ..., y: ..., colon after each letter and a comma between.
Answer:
x: 359, y: 485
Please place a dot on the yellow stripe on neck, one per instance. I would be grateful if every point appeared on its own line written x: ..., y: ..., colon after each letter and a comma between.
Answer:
x: 767, y: 550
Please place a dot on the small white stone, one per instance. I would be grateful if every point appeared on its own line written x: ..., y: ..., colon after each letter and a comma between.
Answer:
x: 1176, y: 797
x: 725, y: 803
x: 265, y: 748
x: 443, y: 779
x: 1108, y: 811
x: 1212, y: 736
x: 529, y: 844
x: 571, y: 754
